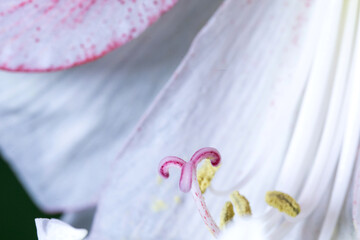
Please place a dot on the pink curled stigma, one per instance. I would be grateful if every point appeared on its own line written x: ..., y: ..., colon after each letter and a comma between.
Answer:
x: 188, y: 180
x: 187, y: 168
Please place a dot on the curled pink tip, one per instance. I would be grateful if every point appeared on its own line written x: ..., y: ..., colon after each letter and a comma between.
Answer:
x: 206, y: 153
x: 167, y: 162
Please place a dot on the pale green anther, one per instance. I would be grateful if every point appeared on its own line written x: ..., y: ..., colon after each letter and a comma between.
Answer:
x: 283, y: 202
x: 227, y: 214
x: 242, y: 205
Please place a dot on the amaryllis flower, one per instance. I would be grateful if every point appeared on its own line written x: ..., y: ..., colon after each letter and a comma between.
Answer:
x: 61, y: 131
x: 272, y: 85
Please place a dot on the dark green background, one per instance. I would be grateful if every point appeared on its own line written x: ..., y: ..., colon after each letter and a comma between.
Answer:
x: 17, y: 209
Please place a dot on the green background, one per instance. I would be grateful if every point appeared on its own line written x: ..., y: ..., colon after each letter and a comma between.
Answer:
x: 17, y: 210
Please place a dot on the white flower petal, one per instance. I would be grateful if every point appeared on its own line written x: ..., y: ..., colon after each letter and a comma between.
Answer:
x: 80, y: 219
x: 350, y: 145
x: 356, y: 199
x: 313, y: 155
x: 238, y: 90
x: 345, y: 228
x: 61, y: 131
x: 245, y: 229
x: 54, y: 229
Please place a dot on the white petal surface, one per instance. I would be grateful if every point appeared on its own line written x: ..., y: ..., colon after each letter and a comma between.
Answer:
x: 61, y: 131
x: 41, y: 35
x: 54, y: 229
x: 238, y: 90
x: 356, y: 199
x: 319, y: 138
x: 244, y: 229
x: 345, y: 227
x: 80, y: 219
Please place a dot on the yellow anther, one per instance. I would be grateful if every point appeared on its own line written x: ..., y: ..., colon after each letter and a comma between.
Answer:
x: 242, y: 205
x: 283, y: 202
x: 205, y: 174
x: 227, y: 214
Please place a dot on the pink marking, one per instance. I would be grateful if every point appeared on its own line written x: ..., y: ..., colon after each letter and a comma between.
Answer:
x: 308, y: 3
x: 51, y: 7
x: 16, y: 7
x: 75, y: 16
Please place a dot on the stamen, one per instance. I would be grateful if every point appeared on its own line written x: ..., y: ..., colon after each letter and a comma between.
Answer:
x: 227, y: 214
x: 205, y: 174
x: 283, y: 202
x: 242, y: 205
x: 188, y: 180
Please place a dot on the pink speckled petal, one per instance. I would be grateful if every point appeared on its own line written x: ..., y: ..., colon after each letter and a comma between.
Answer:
x: 41, y: 35
x: 61, y: 131
x: 54, y: 229
x: 239, y: 89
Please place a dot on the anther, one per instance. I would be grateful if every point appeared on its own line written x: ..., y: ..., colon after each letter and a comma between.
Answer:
x: 227, y: 214
x: 283, y: 202
x: 205, y: 174
x: 242, y: 205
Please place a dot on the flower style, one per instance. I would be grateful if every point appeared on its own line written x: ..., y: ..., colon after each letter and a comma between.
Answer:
x: 188, y: 180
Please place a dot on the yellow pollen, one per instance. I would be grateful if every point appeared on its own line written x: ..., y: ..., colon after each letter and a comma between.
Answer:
x: 242, y: 205
x: 283, y: 202
x: 158, y: 205
x: 205, y: 174
x: 159, y: 180
x: 177, y: 199
x: 227, y: 214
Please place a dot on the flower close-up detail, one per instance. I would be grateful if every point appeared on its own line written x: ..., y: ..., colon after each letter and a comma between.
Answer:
x: 203, y: 119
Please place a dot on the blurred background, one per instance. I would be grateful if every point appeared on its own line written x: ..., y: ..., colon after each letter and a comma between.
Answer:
x: 17, y: 209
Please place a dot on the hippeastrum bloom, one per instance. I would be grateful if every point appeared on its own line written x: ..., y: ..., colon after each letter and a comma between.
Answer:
x: 273, y: 85
x: 61, y: 131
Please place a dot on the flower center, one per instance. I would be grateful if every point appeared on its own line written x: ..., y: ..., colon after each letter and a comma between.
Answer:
x: 198, y: 181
